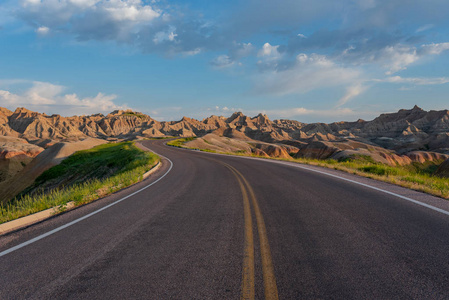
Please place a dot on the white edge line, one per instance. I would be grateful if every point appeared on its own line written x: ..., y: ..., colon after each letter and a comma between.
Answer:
x: 296, y: 165
x: 7, y: 251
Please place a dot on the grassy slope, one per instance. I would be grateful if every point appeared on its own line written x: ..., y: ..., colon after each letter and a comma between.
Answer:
x: 83, y: 177
x: 415, y: 176
x: 180, y: 142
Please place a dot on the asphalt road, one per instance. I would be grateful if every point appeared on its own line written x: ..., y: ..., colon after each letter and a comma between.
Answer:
x: 218, y: 227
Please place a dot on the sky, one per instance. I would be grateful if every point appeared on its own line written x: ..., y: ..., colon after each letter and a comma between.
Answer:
x: 311, y: 61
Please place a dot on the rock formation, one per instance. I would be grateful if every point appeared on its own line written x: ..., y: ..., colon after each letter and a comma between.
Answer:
x: 402, y: 132
x: 403, y: 137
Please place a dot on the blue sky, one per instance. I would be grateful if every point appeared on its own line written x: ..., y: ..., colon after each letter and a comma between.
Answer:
x: 307, y: 60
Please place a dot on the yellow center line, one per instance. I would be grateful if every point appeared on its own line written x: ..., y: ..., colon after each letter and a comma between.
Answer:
x: 269, y: 279
x: 270, y: 287
x: 248, y: 290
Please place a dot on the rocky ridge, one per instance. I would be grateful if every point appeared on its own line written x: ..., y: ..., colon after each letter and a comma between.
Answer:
x: 391, y: 138
x: 403, y: 131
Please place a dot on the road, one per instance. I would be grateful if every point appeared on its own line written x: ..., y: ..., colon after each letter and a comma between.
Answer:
x: 220, y: 227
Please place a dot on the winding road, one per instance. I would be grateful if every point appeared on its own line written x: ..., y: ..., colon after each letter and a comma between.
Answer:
x: 208, y: 226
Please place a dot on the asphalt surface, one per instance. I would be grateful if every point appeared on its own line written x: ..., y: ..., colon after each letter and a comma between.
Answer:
x: 188, y: 237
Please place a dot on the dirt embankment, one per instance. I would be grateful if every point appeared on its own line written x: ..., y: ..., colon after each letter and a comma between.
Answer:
x: 42, y: 162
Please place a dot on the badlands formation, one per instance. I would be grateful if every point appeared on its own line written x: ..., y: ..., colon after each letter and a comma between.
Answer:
x: 31, y: 142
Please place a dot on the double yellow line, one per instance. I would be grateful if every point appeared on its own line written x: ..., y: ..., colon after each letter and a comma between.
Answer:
x: 248, y: 289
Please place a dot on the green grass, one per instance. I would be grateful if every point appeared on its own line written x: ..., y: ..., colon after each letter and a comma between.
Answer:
x: 180, y: 142
x: 379, y: 170
x: 415, y: 176
x: 83, y: 177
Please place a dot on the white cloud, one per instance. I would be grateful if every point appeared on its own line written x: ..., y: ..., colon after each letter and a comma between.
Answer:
x: 434, y: 49
x: 100, y: 102
x: 351, y: 92
x: 242, y: 49
x: 269, y: 55
x: 42, y: 93
x: 131, y: 10
x: 222, y: 61
x: 415, y: 80
x: 224, y: 110
x: 192, y: 52
x: 424, y: 28
x: 237, y: 51
x: 269, y: 51
x: 163, y: 36
x: 308, y: 73
x: 44, y: 96
x: 398, y: 57
x: 9, y: 99
x: 302, y: 35
x: 42, y: 30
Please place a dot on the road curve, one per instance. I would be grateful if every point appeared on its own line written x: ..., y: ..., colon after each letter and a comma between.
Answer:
x: 220, y: 227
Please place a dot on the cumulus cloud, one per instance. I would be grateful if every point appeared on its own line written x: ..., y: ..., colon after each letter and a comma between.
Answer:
x: 269, y: 51
x: 270, y: 56
x: 48, y: 97
x: 308, y: 72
